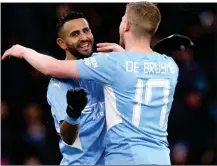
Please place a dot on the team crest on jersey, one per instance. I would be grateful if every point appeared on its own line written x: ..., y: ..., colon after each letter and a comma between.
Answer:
x: 89, y: 108
x: 96, y: 110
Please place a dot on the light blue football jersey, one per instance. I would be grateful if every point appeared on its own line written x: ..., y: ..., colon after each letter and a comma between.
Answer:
x: 139, y: 90
x: 89, y: 145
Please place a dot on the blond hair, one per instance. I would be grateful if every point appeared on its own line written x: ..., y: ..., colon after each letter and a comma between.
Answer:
x: 144, y: 18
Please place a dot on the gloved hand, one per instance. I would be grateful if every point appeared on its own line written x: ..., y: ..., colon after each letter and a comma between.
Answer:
x: 172, y: 43
x: 76, y: 100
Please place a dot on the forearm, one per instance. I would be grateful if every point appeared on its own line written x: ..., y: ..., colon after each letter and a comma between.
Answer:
x: 68, y: 132
x: 51, y: 66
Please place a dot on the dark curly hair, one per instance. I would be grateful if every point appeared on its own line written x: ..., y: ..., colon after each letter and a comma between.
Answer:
x: 70, y: 16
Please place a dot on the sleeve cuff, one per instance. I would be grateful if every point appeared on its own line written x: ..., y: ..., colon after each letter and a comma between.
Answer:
x: 72, y: 121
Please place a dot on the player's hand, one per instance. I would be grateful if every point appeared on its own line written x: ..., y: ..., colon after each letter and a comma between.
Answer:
x: 15, y: 51
x: 109, y: 47
x: 76, y: 100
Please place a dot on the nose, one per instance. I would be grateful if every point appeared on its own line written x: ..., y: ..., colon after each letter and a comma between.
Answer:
x: 84, y: 37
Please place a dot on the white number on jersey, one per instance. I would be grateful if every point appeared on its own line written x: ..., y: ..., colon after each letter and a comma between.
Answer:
x: 151, y: 83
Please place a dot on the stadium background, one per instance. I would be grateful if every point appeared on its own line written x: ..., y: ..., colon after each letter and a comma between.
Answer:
x: 27, y: 131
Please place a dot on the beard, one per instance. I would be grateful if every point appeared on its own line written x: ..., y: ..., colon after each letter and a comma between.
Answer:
x: 80, y: 54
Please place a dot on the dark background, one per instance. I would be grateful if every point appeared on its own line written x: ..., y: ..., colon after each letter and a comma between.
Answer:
x: 28, y: 133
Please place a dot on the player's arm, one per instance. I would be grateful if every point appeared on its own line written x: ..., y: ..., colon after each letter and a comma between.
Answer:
x: 56, y: 97
x: 43, y: 63
x: 68, y: 132
x: 76, y: 102
x: 99, y: 68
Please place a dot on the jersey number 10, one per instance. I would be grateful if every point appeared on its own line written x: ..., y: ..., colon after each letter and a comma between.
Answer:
x: 151, y: 83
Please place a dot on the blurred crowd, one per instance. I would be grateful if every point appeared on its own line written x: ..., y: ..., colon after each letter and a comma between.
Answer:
x: 27, y: 131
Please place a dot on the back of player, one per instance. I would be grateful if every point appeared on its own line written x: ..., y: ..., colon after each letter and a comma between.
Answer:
x: 137, y: 108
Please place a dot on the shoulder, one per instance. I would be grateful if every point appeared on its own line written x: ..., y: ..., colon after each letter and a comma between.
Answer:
x: 56, y: 85
x: 99, y: 59
x: 169, y: 59
x: 172, y: 64
x: 175, y: 66
x: 109, y: 54
x: 113, y: 56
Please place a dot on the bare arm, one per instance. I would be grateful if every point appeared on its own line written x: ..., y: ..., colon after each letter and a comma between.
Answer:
x: 51, y: 66
x: 68, y: 132
x: 43, y: 63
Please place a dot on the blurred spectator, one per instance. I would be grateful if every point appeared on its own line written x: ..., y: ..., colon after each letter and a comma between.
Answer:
x: 63, y: 9
x: 35, y: 134
x: 32, y: 160
x: 208, y: 157
x: 206, y: 18
x: 6, y: 137
x: 36, y: 131
x: 193, y: 100
x: 179, y: 154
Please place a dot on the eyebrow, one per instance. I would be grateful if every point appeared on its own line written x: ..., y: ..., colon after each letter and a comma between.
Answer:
x: 76, y: 31
x: 79, y: 30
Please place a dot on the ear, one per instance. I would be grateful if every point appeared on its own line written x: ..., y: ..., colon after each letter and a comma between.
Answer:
x: 127, y: 26
x: 61, y: 43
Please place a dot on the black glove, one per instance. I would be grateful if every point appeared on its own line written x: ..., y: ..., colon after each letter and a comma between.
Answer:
x: 172, y: 43
x: 76, y: 100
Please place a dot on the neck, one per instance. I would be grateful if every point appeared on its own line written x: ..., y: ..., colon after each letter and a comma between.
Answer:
x: 140, y: 45
x: 69, y: 56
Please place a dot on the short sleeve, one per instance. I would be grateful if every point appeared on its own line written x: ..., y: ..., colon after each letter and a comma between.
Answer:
x: 100, y: 67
